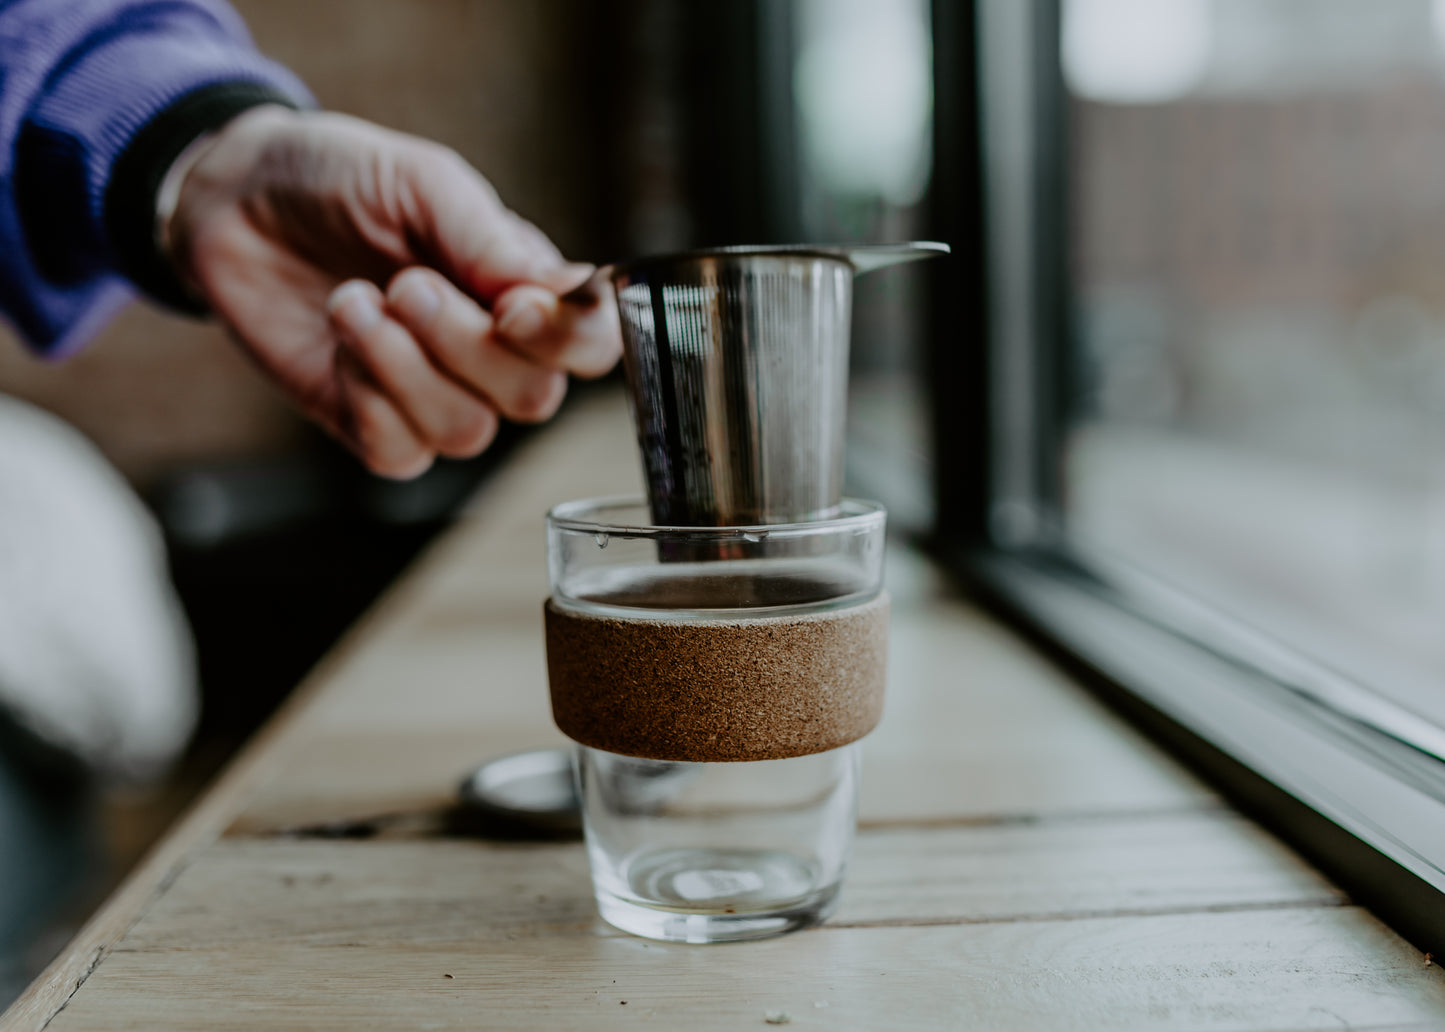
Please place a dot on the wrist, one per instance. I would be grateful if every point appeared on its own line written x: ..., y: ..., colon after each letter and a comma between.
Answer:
x: 208, y: 174
x: 149, y: 180
x: 168, y: 197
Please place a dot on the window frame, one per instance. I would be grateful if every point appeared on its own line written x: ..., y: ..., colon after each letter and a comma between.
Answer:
x: 1331, y: 769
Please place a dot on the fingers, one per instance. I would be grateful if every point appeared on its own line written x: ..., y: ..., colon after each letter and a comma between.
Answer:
x: 458, y: 336
x: 578, y: 333
x: 440, y: 415
x: 374, y: 429
x: 426, y: 371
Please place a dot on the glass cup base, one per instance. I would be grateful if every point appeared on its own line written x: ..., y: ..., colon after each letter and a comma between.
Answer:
x: 725, y: 917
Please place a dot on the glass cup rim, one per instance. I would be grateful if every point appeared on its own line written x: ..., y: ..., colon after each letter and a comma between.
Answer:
x: 855, y: 514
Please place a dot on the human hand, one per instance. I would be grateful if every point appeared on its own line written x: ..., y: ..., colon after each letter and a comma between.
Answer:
x: 381, y: 283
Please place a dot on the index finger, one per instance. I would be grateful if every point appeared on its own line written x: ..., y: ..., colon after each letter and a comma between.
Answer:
x: 478, y: 243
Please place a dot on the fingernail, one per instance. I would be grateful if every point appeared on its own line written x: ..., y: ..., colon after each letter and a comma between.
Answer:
x: 353, y: 307
x: 416, y: 299
x: 523, y: 322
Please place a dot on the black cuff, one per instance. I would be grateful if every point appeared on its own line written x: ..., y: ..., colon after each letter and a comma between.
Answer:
x: 130, y: 196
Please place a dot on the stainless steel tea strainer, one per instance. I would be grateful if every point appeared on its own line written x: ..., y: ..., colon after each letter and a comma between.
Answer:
x: 737, y: 365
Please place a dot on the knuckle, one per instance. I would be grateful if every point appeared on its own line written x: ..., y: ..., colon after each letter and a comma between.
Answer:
x: 381, y: 448
x: 418, y: 299
x: 599, y: 366
x: 438, y: 166
x: 359, y: 424
x: 409, y: 279
x: 369, y: 351
x: 461, y: 334
x: 595, y: 358
x: 435, y: 160
x: 358, y: 340
x: 447, y: 157
x: 469, y: 433
x: 486, y: 242
x: 538, y: 398
x: 398, y: 464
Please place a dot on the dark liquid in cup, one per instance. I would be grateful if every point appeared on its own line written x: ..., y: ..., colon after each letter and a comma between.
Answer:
x: 702, y: 587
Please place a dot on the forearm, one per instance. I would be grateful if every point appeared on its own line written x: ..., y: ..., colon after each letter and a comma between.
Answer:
x: 100, y: 95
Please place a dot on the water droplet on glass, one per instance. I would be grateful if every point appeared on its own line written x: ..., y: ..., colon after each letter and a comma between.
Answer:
x: 601, y: 539
x: 754, y: 537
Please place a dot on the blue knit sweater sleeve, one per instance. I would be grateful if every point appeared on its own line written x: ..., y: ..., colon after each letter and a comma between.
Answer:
x: 78, y: 80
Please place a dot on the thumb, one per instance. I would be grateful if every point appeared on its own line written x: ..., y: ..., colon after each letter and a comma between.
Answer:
x: 479, y: 244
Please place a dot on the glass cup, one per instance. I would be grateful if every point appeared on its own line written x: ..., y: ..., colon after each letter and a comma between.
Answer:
x: 716, y: 680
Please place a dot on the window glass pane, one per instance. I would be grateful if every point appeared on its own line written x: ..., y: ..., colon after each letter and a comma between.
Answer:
x: 1258, y: 362
x: 863, y: 89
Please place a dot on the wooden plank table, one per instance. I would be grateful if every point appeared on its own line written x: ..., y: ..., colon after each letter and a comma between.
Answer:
x: 1025, y: 860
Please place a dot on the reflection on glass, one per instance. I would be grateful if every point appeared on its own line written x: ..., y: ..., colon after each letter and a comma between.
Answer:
x: 1135, y: 51
x: 1260, y: 309
x: 863, y: 96
x: 864, y: 87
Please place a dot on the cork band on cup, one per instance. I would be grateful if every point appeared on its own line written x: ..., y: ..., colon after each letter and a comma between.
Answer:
x: 764, y: 688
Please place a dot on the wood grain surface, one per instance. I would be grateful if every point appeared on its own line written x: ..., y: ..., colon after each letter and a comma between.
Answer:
x: 1024, y: 860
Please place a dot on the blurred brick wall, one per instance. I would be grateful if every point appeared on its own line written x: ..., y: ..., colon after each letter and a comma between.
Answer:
x: 499, y: 80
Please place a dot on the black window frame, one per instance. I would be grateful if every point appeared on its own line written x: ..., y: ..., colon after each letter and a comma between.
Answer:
x: 1330, y: 770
